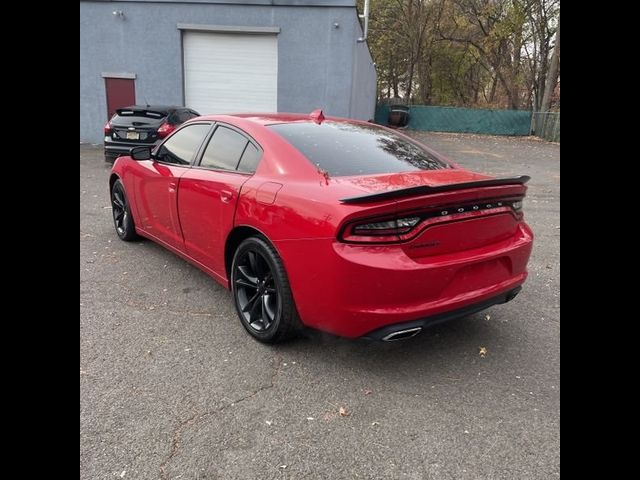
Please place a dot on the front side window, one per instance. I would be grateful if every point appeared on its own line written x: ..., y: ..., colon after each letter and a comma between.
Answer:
x: 224, y: 149
x: 182, y: 146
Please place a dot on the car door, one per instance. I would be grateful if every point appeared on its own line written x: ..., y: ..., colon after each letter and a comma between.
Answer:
x: 157, y: 188
x: 209, y: 193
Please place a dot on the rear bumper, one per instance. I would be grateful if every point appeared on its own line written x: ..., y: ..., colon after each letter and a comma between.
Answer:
x: 409, y: 329
x: 354, y: 290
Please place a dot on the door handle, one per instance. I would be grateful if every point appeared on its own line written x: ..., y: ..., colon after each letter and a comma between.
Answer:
x: 172, y: 187
x: 226, y: 196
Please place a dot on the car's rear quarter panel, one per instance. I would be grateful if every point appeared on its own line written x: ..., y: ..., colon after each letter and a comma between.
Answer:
x: 352, y: 289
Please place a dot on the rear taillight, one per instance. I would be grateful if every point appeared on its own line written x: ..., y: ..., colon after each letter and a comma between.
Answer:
x: 165, y: 129
x: 107, y: 128
x: 380, y: 231
x: 408, y: 226
x: 390, y: 227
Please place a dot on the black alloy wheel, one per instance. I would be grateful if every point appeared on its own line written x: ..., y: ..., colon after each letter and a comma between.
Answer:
x: 122, y: 218
x: 256, y: 291
x: 261, y: 292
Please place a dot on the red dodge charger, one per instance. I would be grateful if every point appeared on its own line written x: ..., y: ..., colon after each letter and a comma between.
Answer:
x: 327, y: 223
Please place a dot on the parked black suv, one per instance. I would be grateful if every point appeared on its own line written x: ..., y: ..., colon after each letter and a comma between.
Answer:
x: 141, y: 125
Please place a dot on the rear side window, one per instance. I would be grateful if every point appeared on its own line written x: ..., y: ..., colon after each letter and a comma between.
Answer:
x: 180, y: 116
x: 250, y: 158
x: 224, y: 149
x: 174, y: 118
x: 182, y: 146
x: 344, y: 149
x: 187, y: 115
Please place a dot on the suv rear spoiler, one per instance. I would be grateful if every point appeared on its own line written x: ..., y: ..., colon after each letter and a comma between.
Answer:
x: 426, y: 189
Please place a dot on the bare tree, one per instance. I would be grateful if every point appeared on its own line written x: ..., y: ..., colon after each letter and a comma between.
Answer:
x: 465, y: 52
x: 552, y: 76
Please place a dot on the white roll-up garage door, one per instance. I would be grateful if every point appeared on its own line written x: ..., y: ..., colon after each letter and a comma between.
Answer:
x: 225, y: 73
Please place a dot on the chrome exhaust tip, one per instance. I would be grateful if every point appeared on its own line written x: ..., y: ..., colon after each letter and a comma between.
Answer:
x: 402, y: 334
x: 512, y: 294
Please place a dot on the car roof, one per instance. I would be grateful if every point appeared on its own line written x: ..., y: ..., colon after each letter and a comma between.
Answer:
x: 274, y: 118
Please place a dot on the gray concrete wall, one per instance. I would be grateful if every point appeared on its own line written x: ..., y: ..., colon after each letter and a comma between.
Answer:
x: 315, y: 59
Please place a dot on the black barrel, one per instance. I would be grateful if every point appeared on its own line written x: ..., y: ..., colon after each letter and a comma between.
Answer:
x: 398, y: 116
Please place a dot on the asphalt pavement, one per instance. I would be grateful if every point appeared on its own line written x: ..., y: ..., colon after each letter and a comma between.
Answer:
x: 172, y: 387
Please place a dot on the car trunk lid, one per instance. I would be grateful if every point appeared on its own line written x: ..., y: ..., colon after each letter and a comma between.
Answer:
x: 453, y: 210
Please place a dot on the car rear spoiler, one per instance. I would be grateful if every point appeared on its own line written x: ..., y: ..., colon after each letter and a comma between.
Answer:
x: 426, y: 189
x: 140, y: 112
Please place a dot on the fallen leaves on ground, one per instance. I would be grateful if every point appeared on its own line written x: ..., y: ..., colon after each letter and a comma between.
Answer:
x: 483, y: 351
x: 344, y: 412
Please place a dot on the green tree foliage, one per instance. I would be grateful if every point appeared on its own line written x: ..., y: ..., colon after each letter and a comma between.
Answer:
x: 481, y: 53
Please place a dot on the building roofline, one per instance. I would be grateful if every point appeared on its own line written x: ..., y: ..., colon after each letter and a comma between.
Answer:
x: 274, y: 3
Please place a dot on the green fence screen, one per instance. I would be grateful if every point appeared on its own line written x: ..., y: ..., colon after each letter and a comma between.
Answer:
x: 469, y: 120
x: 546, y: 125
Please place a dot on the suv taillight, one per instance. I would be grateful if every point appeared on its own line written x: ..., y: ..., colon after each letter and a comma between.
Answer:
x: 107, y: 128
x: 165, y: 129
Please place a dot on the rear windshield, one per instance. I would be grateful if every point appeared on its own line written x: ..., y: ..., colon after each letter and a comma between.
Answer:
x: 344, y: 149
x: 137, y: 117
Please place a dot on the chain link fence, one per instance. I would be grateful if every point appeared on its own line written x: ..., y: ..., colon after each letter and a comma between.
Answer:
x: 546, y: 125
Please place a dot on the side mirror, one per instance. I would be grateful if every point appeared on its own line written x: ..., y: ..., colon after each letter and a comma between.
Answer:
x: 140, y: 153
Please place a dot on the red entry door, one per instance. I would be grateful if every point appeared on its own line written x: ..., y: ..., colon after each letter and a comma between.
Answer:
x: 121, y: 92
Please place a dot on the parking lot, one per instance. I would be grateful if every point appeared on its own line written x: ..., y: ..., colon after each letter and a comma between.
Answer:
x: 172, y: 387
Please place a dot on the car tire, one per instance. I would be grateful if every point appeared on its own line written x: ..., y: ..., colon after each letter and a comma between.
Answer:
x: 122, y: 218
x: 262, y: 293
